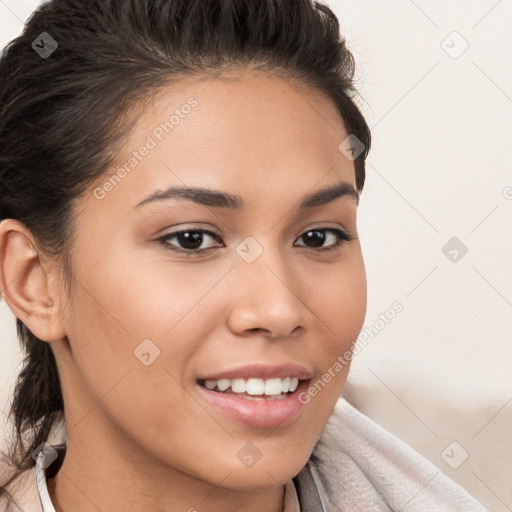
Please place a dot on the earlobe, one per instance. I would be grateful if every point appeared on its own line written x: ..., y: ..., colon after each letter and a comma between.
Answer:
x: 24, y: 283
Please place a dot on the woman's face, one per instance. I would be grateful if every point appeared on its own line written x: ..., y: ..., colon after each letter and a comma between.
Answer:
x: 154, y: 313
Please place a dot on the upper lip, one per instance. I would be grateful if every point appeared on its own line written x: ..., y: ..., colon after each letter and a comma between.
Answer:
x: 262, y: 371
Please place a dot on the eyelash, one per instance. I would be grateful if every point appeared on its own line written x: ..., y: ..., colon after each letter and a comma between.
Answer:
x: 342, y: 236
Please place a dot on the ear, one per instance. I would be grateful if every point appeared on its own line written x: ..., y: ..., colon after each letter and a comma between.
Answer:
x: 25, y: 283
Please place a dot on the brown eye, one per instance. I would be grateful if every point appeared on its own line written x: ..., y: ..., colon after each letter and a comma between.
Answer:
x: 316, y: 238
x: 189, y: 240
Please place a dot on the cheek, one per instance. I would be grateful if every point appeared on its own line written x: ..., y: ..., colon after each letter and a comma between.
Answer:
x: 147, y: 316
x: 338, y: 298
x: 125, y: 368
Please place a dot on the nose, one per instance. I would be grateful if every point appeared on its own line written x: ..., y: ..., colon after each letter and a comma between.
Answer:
x: 266, y: 298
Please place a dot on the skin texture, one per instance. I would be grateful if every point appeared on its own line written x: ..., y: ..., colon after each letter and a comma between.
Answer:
x: 141, y: 437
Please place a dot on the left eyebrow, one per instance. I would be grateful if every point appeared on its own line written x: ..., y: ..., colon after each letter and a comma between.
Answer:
x: 218, y: 199
x: 328, y: 194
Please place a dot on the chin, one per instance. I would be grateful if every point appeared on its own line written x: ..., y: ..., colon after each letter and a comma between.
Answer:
x: 262, y: 475
x: 250, y: 481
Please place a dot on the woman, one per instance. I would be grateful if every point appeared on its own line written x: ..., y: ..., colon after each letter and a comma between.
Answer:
x: 180, y: 182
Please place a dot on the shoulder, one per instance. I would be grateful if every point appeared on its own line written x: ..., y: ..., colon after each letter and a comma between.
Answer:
x: 356, y: 462
x: 21, y: 494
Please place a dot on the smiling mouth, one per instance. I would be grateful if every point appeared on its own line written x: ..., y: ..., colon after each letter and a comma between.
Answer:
x: 256, y: 402
x: 255, y: 388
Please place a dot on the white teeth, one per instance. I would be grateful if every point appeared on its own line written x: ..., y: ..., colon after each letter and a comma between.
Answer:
x: 293, y: 384
x: 272, y: 387
x: 238, y: 386
x: 210, y: 384
x: 255, y: 386
x: 223, y: 384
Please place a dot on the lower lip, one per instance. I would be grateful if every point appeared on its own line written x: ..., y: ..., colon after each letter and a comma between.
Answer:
x: 258, y: 413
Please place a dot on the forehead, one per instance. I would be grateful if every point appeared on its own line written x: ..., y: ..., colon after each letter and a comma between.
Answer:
x: 249, y: 133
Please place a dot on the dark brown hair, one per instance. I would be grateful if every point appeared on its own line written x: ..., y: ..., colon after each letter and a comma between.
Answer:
x: 64, y: 116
